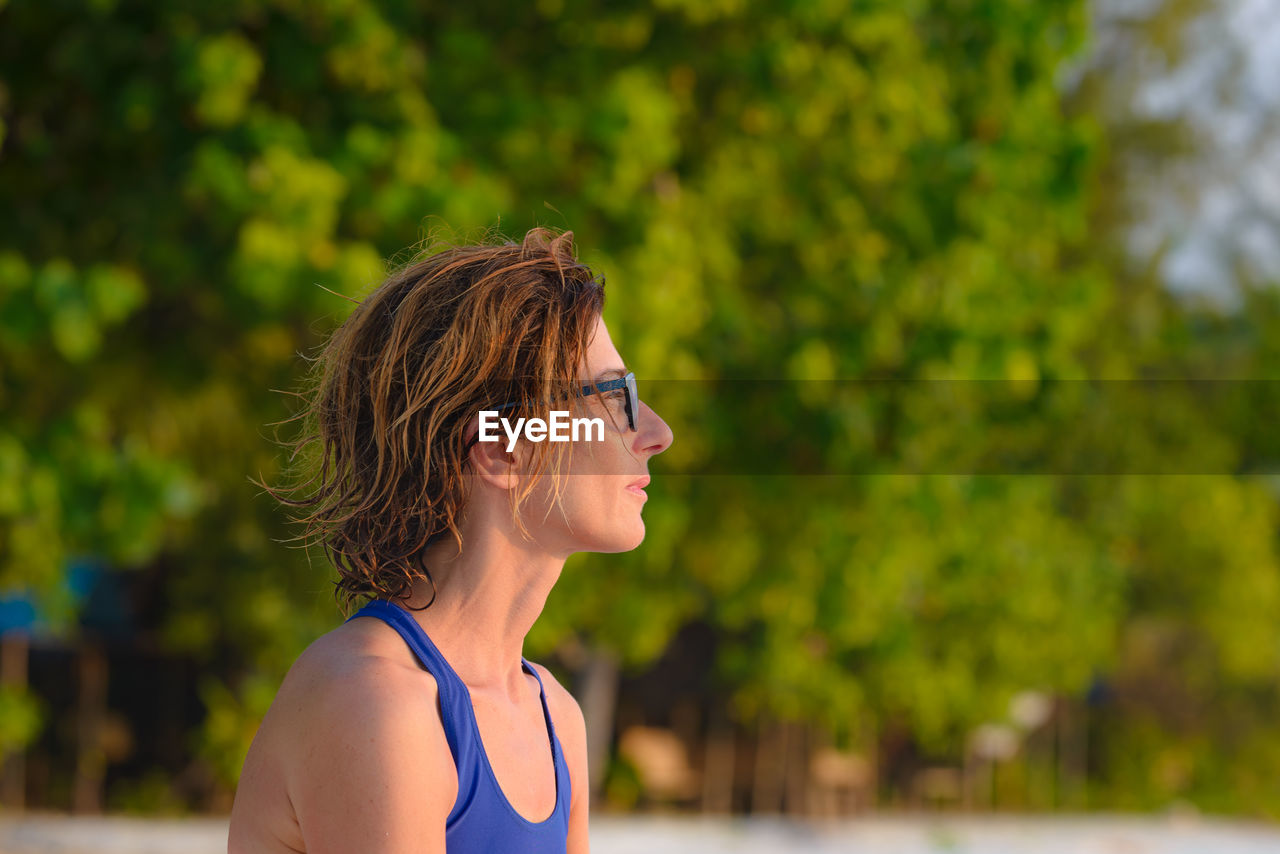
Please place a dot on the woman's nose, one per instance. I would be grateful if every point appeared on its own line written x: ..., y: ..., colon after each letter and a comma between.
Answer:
x: 654, y: 435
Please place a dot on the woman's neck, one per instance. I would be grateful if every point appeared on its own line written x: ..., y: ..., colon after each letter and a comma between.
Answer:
x: 486, y: 600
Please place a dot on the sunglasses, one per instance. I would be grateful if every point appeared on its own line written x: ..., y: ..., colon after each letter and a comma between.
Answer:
x: 626, y: 383
x: 632, y: 399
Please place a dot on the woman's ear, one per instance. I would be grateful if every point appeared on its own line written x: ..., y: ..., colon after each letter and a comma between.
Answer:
x: 490, y: 460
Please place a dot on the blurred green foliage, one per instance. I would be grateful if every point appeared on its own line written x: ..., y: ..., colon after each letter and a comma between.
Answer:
x: 21, y: 715
x: 798, y: 191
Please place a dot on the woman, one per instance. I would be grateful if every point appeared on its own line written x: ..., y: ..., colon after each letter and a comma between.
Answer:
x: 417, y: 725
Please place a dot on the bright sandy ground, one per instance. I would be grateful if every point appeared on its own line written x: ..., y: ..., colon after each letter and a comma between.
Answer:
x: 617, y: 835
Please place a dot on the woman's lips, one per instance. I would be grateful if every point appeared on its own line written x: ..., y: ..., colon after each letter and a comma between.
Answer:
x: 637, y: 487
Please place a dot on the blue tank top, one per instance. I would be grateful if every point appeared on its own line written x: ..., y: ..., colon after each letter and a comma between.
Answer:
x: 482, y: 819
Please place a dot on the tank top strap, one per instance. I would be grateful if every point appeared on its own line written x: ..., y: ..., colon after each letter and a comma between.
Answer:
x: 564, y: 786
x: 542, y: 694
x: 455, y: 701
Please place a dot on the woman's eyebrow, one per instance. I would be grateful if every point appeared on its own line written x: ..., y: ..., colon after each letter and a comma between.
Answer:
x: 611, y: 374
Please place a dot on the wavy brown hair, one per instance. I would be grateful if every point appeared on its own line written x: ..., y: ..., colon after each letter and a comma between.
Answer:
x: 392, y: 393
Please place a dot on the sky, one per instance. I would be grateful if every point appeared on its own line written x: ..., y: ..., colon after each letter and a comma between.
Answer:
x: 1216, y: 213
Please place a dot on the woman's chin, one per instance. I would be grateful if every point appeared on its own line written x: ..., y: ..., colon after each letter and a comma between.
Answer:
x: 624, y: 541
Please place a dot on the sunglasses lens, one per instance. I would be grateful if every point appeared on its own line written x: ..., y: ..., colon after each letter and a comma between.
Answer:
x: 633, y: 402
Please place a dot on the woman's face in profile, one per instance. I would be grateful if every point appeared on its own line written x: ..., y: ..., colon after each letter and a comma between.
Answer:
x: 602, y: 496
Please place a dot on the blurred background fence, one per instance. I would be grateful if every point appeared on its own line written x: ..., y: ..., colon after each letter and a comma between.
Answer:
x: 898, y: 610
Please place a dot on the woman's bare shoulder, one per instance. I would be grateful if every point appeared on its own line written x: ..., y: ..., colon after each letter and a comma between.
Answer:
x: 361, y: 675
x: 356, y: 714
x: 364, y: 652
x: 558, y: 697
